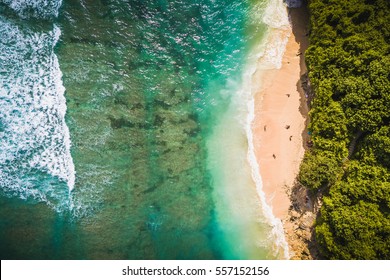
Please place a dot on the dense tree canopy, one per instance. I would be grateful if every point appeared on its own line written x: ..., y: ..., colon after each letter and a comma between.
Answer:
x: 349, y: 70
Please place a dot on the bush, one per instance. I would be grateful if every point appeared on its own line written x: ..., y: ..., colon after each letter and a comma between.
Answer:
x: 349, y: 65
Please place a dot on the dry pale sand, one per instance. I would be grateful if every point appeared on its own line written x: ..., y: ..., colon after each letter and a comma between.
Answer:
x: 280, y: 119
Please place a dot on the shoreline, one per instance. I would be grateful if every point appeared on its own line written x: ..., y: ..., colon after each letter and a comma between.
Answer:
x: 279, y: 126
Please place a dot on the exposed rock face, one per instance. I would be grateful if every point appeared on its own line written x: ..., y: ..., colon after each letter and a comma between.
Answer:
x: 293, y: 3
x: 299, y: 225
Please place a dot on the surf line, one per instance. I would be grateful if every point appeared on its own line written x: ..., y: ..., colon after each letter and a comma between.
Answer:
x: 268, y: 56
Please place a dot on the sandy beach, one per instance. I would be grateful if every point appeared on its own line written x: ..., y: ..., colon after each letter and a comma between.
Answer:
x: 280, y: 121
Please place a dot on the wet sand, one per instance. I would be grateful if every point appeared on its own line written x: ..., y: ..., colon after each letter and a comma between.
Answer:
x: 280, y: 120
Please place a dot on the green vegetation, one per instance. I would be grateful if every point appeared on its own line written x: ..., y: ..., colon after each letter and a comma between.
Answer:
x: 349, y: 71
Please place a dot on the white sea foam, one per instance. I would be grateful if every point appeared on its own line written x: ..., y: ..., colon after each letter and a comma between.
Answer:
x: 272, y: 53
x: 35, y: 8
x: 243, y: 101
x: 270, y: 56
x: 277, y: 20
x: 240, y: 200
x: 277, y: 234
x: 275, y: 15
x: 35, y: 138
x: 245, y: 97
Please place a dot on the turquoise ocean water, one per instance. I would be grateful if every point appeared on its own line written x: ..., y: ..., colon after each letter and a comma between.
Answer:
x: 124, y: 130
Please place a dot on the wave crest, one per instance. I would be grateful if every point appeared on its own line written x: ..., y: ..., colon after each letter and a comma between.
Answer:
x: 35, y: 8
x: 34, y: 138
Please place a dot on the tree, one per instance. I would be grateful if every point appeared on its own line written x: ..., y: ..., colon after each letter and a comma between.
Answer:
x: 349, y: 65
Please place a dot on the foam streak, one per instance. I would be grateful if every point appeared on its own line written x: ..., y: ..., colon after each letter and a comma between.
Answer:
x: 34, y: 136
x: 277, y: 20
x: 35, y: 8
